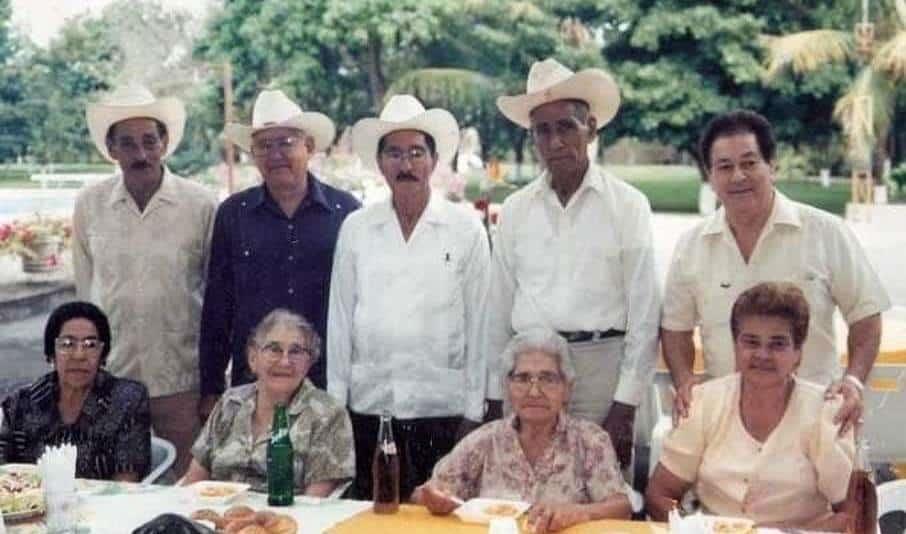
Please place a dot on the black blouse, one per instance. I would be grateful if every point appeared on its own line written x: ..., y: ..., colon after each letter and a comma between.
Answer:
x: 112, y: 434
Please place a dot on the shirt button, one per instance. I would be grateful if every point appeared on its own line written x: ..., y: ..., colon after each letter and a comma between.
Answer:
x: 290, y: 291
x: 289, y: 226
x: 290, y: 258
x: 246, y: 253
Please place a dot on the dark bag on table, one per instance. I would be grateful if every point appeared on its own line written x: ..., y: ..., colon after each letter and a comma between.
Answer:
x: 172, y: 524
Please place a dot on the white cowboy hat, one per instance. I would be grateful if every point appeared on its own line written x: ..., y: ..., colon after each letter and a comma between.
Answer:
x: 549, y: 81
x: 405, y: 112
x: 274, y: 110
x: 130, y: 102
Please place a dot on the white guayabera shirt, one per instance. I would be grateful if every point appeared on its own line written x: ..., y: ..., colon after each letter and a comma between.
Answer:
x: 586, y: 266
x: 404, y: 319
x: 146, y: 270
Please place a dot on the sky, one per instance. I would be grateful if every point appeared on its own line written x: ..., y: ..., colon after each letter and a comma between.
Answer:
x: 42, y: 19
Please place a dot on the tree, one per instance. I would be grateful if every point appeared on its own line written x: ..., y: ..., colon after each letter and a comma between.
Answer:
x: 13, y: 118
x: 680, y: 62
x: 867, y: 109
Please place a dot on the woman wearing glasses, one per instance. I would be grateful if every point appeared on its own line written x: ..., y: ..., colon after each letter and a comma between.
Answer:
x: 107, y: 418
x: 565, y: 466
x: 233, y: 443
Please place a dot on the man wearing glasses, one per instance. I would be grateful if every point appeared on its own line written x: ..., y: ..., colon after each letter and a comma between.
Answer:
x: 410, y: 277
x: 140, y: 245
x: 273, y: 244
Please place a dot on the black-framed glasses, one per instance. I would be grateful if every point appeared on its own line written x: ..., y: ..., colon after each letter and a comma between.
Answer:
x: 284, y: 145
x: 414, y: 154
x: 547, y: 381
x: 68, y: 345
x: 296, y: 353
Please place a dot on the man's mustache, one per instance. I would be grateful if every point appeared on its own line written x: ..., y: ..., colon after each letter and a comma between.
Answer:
x: 140, y: 165
x: 406, y: 177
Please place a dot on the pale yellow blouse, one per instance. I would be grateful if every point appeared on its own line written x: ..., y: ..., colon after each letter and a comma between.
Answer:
x: 795, y: 475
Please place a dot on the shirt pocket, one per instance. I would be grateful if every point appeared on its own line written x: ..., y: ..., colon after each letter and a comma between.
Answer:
x: 716, y: 305
x: 600, y: 273
x: 536, y: 257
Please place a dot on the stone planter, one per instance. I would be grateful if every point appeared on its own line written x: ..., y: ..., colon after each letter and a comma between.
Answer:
x: 43, y: 256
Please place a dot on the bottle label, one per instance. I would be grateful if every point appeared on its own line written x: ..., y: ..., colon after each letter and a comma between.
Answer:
x: 388, y: 448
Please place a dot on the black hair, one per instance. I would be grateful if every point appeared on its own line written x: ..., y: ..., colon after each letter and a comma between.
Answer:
x: 76, y: 310
x: 740, y: 121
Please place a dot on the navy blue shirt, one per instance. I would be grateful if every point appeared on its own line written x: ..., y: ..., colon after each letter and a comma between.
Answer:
x: 261, y: 260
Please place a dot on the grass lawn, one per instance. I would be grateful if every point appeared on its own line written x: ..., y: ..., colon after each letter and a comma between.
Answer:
x: 674, y: 188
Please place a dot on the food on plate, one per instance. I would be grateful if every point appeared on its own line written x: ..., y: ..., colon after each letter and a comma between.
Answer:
x: 217, y: 491
x: 502, y: 510
x: 20, y: 490
x: 242, y: 519
x: 730, y: 526
x: 238, y: 511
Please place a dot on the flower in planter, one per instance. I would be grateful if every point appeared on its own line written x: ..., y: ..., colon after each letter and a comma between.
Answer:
x: 31, y: 237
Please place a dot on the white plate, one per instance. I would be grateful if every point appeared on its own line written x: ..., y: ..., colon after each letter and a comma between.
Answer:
x: 214, y: 492
x: 38, y: 510
x: 483, y: 510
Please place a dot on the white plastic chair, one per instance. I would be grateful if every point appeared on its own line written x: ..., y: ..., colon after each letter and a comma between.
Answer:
x: 163, y: 454
x: 891, y: 498
x: 885, y: 403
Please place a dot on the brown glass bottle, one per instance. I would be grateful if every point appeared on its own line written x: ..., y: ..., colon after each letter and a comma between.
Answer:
x: 385, y: 470
x: 862, y: 493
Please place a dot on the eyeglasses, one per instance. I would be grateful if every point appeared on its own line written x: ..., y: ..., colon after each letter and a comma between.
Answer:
x: 296, y: 353
x: 547, y: 381
x: 284, y: 144
x: 415, y: 155
x: 149, y: 144
x: 68, y: 345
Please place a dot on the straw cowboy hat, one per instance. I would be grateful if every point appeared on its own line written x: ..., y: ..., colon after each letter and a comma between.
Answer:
x: 130, y: 102
x: 549, y: 81
x: 405, y: 112
x: 274, y: 110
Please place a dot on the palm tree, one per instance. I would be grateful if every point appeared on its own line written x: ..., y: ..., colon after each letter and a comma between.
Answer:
x: 865, y: 110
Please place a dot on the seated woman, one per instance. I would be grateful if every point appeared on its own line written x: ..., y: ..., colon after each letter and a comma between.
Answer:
x: 107, y: 418
x: 760, y: 443
x: 233, y: 443
x: 565, y: 466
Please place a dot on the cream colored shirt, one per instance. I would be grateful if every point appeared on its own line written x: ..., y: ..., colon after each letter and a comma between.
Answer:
x: 404, y: 318
x: 146, y: 270
x: 799, y: 244
x: 587, y: 266
x: 795, y: 475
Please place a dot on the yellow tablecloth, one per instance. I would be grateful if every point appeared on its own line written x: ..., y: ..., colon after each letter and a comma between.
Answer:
x: 412, y: 519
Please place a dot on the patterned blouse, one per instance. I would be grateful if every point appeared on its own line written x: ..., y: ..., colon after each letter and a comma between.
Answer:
x: 579, y: 466
x: 112, y: 434
x: 319, y: 429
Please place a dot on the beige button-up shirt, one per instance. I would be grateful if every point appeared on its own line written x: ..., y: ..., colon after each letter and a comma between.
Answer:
x: 796, y: 474
x: 799, y: 244
x: 587, y: 266
x: 146, y: 270
x: 404, y: 319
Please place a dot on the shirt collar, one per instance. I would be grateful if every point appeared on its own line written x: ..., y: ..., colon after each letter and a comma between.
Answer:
x: 166, y: 192
x: 435, y: 212
x: 593, y: 179
x: 246, y: 395
x: 783, y: 213
x: 513, y: 422
x: 315, y: 195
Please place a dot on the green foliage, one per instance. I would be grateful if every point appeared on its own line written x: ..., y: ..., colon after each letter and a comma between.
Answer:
x: 791, y: 164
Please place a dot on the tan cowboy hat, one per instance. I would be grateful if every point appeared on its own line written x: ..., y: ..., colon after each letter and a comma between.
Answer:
x: 134, y: 101
x: 549, y: 81
x: 274, y: 110
x: 405, y: 112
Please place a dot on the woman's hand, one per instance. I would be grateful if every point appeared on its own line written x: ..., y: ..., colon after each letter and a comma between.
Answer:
x: 553, y: 517
x: 434, y: 499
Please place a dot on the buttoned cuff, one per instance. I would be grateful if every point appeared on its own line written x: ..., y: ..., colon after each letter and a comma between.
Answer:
x: 629, y: 391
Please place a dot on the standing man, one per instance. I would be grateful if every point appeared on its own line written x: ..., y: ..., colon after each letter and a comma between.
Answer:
x: 140, y: 246
x: 574, y: 252
x: 760, y: 235
x: 273, y: 244
x: 410, y: 278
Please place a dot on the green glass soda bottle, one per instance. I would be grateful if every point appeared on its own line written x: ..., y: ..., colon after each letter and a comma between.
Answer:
x: 280, y: 461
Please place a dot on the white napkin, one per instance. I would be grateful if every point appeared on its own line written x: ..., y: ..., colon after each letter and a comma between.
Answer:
x: 57, y: 468
x: 503, y: 525
x: 692, y: 524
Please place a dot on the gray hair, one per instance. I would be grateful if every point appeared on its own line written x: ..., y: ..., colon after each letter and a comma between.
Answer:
x: 541, y: 340
x: 284, y: 317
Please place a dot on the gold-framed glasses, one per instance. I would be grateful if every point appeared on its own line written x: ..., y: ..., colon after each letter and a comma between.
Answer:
x: 68, y: 345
